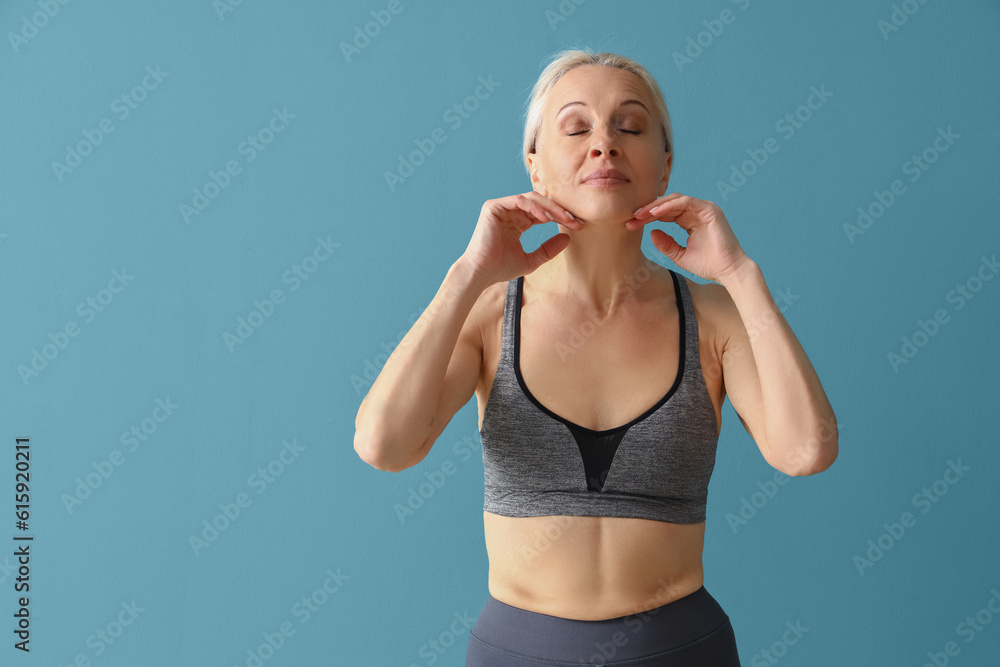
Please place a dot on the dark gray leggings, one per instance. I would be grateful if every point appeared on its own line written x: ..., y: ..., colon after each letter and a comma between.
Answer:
x: 689, y: 632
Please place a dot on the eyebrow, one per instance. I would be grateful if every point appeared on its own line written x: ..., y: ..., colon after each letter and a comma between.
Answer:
x: 620, y: 105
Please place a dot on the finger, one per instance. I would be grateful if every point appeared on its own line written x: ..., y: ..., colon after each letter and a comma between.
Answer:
x: 681, y: 203
x: 530, y: 204
x: 685, y: 211
x: 557, y: 212
x: 682, y: 199
x: 547, y: 251
x: 666, y: 244
x: 643, y: 211
x: 637, y: 222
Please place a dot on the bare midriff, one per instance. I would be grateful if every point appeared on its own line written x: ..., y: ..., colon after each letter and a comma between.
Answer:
x: 590, y: 567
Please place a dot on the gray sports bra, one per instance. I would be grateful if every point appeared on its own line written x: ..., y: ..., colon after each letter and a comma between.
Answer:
x: 656, y: 466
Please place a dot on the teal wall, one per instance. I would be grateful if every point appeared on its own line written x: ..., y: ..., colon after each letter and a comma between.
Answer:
x: 171, y: 172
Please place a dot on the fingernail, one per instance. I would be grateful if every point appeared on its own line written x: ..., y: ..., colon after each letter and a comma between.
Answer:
x: 636, y: 211
x: 654, y: 209
x: 570, y: 215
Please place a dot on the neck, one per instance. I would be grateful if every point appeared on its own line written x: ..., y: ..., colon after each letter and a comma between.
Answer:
x: 601, y: 269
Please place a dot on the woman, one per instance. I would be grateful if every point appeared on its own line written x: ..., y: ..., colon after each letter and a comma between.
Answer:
x: 600, y: 377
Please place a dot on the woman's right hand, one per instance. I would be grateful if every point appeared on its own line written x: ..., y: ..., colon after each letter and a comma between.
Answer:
x: 495, y: 252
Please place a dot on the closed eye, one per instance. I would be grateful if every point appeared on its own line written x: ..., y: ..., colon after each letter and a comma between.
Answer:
x: 573, y: 134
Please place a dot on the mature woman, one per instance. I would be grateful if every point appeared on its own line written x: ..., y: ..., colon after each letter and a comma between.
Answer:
x: 600, y: 377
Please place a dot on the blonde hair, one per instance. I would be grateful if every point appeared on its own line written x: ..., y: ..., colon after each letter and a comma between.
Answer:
x: 570, y: 59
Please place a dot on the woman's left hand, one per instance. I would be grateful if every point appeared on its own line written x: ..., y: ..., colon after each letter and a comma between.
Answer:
x: 712, y: 251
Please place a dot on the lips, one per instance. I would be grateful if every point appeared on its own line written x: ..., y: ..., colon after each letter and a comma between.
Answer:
x: 606, y: 175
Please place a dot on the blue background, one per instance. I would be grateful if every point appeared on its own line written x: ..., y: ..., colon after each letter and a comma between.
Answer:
x: 300, y: 375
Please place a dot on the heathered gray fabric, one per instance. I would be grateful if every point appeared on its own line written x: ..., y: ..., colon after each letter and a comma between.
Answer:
x: 660, y: 471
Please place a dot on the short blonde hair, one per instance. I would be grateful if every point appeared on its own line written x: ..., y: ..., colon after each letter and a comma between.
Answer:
x: 570, y: 59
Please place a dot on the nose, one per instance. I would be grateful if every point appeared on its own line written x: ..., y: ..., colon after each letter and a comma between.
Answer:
x: 604, y: 141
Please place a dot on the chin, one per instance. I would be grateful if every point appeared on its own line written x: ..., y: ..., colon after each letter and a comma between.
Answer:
x: 605, y: 214
x: 619, y: 219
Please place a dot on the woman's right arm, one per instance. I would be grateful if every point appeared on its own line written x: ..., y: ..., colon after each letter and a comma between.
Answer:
x: 427, y: 379
x: 397, y: 415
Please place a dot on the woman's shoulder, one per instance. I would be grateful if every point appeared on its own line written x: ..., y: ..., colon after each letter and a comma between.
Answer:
x: 716, y: 313
x: 491, y: 300
x: 487, y: 313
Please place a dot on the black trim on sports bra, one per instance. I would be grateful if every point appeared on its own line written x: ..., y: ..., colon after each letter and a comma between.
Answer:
x: 576, y: 427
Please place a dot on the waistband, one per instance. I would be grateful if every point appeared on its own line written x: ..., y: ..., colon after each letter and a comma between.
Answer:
x: 530, y: 634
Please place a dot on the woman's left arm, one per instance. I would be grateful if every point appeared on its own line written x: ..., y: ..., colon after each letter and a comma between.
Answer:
x: 774, y: 389
x: 771, y: 382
